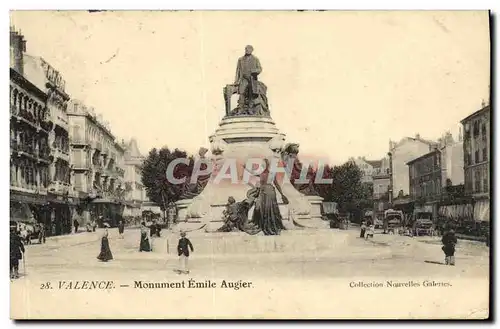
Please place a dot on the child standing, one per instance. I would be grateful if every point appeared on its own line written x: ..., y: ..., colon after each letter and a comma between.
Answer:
x: 363, y: 229
x: 370, y: 232
x: 183, y: 252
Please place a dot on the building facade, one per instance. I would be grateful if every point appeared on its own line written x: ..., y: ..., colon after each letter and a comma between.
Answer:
x: 38, y: 95
x: 476, y: 155
x: 402, y: 152
x: 97, y: 166
x: 452, y: 160
x: 135, y: 193
x: 425, y: 177
x: 30, y: 130
x: 60, y: 193
x: 367, y: 167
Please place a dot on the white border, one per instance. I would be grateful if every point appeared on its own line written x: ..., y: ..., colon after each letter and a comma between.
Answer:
x: 179, y: 5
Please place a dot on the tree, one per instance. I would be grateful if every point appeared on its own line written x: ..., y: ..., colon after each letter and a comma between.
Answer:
x: 346, y: 188
x: 154, y: 176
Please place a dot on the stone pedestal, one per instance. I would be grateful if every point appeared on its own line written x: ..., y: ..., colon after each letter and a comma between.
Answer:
x: 236, y: 140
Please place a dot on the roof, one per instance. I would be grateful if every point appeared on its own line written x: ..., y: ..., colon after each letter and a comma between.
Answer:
x: 477, y: 113
x: 423, y: 156
x: 133, y: 149
x: 415, y: 139
x: 374, y: 163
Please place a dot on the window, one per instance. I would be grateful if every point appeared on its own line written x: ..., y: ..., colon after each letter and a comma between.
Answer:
x: 476, y: 156
x: 466, y: 158
x: 477, y: 181
x: 485, y: 182
x: 476, y: 128
x: 485, y: 154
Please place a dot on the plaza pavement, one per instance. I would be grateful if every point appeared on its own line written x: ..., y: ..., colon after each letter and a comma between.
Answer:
x: 75, y: 255
x: 309, y: 284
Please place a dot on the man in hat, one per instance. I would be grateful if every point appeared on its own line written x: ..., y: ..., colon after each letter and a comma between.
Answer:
x: 247, y: 71
x: 16, y: 252
x: 183, y: 252
x: 449, y: 241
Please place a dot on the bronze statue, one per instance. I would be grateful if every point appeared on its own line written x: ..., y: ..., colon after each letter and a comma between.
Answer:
x: 252, y: 92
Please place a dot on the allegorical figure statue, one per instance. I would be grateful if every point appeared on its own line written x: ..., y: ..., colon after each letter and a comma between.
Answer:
x: 252, y: 92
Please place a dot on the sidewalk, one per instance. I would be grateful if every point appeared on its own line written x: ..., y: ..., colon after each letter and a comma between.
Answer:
x: 79, y: 238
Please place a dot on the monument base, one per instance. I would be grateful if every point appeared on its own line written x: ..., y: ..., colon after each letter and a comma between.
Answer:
x: 236, y: 141
x: 289, y: 241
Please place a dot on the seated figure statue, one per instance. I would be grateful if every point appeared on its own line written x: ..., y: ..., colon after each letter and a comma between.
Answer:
x: 252, y: 92
x: 236, y: 215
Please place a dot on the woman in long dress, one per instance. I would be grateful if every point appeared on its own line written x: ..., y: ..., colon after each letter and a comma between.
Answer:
x: 266, y: 214
x: 105, y: 254
x: 144, y: 244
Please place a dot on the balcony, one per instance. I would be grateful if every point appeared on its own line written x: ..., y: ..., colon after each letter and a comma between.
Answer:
x: 28, y: 150
x: 97, y: 167
x: 78, y: 140
x: 59, y: 187
x: 61, y: 122
x: 58, y: 153
x: 27, y: 118
x: 81, y: 165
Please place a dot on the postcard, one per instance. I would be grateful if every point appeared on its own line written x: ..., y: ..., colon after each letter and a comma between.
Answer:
x: 250, y: 164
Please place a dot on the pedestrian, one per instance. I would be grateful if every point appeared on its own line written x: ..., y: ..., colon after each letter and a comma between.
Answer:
x: 105, y: 254
x: 76, y: 224
x: 158, y: 229
x: 94, y: 225
x: 41, y: 233
x: 183, y: 252
x: 144, y: 244
x: 152, y: 229
x: 363, y: 229
x: 449, y: 241
x: 16, y: 252
x: 121, y: 229
x: 370, y: 232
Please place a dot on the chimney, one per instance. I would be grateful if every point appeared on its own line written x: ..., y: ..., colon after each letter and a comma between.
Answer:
x: 17, y: 49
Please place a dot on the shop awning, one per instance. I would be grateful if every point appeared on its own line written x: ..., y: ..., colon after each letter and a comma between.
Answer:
x: 482, y: 210
x: 104, y: 201
x: 27, y: 198
x: 21, y: 212
x: 457, y: 211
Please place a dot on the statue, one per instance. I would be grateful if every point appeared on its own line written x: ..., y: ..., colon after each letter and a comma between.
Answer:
x: 193, y: 189
x: 235, y: 215
x: 253, y: 99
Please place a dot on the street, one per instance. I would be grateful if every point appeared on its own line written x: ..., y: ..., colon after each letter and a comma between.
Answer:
x: 356, y: 279
x: 74, y: 256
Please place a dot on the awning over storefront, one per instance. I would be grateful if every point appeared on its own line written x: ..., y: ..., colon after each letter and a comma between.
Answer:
x: 22, y: 197
x: 21, y: 212
x: 104, y: 201
x: 482, y: 210
x: 457, y: 211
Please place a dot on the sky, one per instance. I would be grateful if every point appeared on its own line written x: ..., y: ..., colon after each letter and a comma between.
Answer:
x: 340, y: 84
